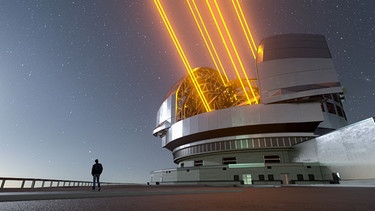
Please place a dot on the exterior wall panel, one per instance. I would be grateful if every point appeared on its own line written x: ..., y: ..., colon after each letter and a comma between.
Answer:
x: 243, y: 116
x: 348, y: 150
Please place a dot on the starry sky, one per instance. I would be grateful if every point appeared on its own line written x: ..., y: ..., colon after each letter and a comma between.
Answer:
x: 82, y: 80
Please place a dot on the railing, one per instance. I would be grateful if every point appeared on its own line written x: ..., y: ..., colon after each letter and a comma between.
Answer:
x: 11, y: 182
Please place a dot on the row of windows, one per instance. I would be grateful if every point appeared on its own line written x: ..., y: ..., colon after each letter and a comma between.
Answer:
x: 272, y: 159
x: 229, y: 160
x: 335, y: 97
x: 261, y: 177
x: 233, y: 160
x: 270, y: 177
x: 198, y: 162
x: 251, y: 143
x: 333, y: 107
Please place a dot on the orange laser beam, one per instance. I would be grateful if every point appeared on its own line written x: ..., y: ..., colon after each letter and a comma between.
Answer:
x: 181, y: 52
x: 253, y: 46
x: 172, y: 34
x: 184, y: 58
x: 237, y: 55
x: 209, y: 43
x: 245, y: 27
x: 227, y: 48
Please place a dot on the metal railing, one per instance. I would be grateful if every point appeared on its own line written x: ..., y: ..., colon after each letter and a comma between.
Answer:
x: 11, y: 182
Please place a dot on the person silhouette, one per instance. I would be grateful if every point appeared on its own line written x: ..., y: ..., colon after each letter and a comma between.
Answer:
x: 96, y: 170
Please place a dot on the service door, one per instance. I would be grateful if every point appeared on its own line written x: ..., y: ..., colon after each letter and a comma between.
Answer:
x: 284, y: 178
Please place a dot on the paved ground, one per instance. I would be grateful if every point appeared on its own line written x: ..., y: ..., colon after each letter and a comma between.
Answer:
x: 192, y: 198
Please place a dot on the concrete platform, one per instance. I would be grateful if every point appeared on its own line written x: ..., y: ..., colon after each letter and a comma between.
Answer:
x: 138, y: 197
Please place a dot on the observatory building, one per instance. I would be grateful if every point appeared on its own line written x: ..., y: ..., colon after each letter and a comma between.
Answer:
x: 287, y: 126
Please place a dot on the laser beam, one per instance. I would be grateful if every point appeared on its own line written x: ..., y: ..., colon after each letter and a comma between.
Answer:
x: 226, y: 45
x: 245, y: 27
x: 210, y: 45
x: 181, y: 53
x: 238, y: 57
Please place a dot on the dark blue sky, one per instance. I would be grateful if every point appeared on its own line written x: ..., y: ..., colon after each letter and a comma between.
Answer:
x: 84, y: 79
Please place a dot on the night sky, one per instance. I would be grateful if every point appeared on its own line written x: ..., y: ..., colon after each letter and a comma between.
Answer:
x: 84, y: 79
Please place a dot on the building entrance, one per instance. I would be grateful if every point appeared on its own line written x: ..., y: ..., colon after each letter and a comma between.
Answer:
x: 246, y: 179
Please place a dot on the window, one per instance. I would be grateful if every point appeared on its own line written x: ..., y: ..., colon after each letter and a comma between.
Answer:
x: 198, y: 162
x: 236, y: 177
x: 229, y: 160
x: 311, y: 177
x: 322, y: 106
x: 327, y: 96
x: 331, y: 108
x: 270, y: 177
x: 300, y: 177
x: 261, y: 177
x: 339, y: 111
x: 272, y: 159
x: 336, y: 98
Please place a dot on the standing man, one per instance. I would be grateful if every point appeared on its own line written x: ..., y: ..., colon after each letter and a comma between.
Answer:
x: 96, y: 170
